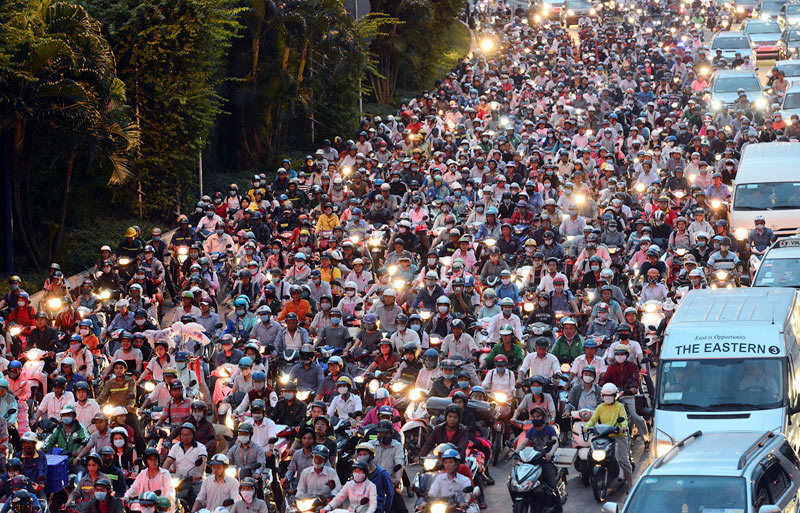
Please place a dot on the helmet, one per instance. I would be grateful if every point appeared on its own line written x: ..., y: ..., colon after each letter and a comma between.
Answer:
x: 306, y: 352
x: 344, y: 381
x: 363, y: 466
x: 452, y: 408
x: 501, y: 360
x: 386, y: 426
x: 164, y: 503
x: 22, y: 501
x: 150, y: 451
x: 149, y: 497
x: 103, y: 481
x: 381, y: 393
x: 219, y: 459
x: 451, y: 454
x: 245, y: 427
x: 320, y: 450
x: 188, y: 425
x: 506, y: 301
x: 609, y: 389
x: 411, y: 347
x: 364, y: 446
x: 506, y: 329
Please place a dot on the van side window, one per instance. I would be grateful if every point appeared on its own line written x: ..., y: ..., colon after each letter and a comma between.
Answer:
x: 789, y: 454
x: 772, y: 484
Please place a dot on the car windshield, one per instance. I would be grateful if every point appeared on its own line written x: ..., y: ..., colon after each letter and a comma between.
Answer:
x: 767, y: 196
x: 791, y: 101
x: 793, y: 9
x: 779, y: 272
x: 763, y: 28
x: 733, y: 84
x: 579, y: 4
x: 688, y: 494
x: 730, y: 43
x: 790, y: 70
x: 725, y: 384
x: 793, y: 35
x: 771, y: 7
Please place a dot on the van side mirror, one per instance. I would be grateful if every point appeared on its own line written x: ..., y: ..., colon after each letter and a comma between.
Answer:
x: 611, y: 507
x: 769, y: 508
x: 745, y: 281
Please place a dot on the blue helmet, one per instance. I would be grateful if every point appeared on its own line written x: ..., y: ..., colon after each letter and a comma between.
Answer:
x: 469, y: 281
x: 590, y: 342
x: 16, y: 364
x: 451, y: 453
x: 258, y: 376
x: 240, y: 302
x: 246, y: 361
x: 385, y: 410
x: 431, y: 353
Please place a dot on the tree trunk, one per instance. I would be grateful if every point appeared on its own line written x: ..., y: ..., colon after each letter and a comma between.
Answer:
x: 64, y: 204
x: 20, y: 159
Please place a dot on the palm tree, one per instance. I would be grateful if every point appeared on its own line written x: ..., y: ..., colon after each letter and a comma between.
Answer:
x: 60, y: 90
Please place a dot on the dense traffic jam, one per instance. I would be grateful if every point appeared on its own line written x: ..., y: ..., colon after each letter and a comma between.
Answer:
x: 487, y: 275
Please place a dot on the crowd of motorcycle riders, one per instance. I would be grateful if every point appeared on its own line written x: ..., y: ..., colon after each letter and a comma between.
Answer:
x: 446, y: 287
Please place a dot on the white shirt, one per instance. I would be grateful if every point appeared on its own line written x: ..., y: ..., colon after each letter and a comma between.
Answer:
x: 263, y: 432
x: 545, y: 367
x: 547, y: 282
x: 185, y: 460
x: 343, y: 408
x: 213, y: 493
x: 85, y: 413
x: 462, y: 347
x: 498, y: 321
x: 635, y: 351
x: 443, y: 486
x: 496, y: 382
x: 580, y: 362
x: 51, y: 405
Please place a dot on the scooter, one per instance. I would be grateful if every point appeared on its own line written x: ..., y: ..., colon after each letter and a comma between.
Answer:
x: 582, y: 461
x: 417, y: 425
x: 607, y: 474
x: 528, y: 492
x: 33, y: 372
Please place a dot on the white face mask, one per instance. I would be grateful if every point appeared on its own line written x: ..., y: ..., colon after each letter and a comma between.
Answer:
x: 588, y: 379
x: 620, y: 358
x: 608, y: 399
x: 506, y: 281
x: 244, y: 439
x: 359, y: 477
x: 342, y: 390
x: 444, y: 309
x: 247, y: 495
x: 119, y: 443
x: 84, y: 332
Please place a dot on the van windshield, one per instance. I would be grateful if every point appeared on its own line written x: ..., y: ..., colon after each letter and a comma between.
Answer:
x: 779, y: 272
x: 693, y: 494
x: 725, y: 384
x: 767, y: 196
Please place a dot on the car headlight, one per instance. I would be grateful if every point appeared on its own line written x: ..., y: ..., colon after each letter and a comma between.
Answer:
x: 598, y: 454
x: 438, y: 507
x: 761, y: 103
x: 571, y: 12
x: 662, y: 448
x: 740, y: 9
x: 740, y: 233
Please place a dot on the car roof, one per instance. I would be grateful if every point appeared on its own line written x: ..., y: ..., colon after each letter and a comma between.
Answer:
x: 786, y: 62
x: 735, y: 73
x: 779, y: 157
x: 725, y: 306
x: 730, y: 33
x: 794, y: 88
x: 714, y: 454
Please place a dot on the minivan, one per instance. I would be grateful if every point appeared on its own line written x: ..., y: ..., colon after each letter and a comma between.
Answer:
x: 741, y: 472
x: 768, y: 185
x: 729, y: 362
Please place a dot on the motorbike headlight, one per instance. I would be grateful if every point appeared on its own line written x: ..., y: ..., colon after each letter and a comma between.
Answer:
x: 124, y: 261
x: 528, y: 306
x: 302, y: 395
x: 14, y: 331
x: 305, y: 504
x: 183, y: 250
x: 740, y: 9
x: 105, y: 294
x: 54, y: 303
x: 398, y: 387
x: 740, y: 233
x: 399, y: 283
x: 284, y: 379
x: 716, y: 104
x: 490, y: 242
x: 571, y: 12
x: 598, y: 454
x: 650, y: 307
x: 175, y: 482
x: 108, y: 410
x: 500, y: 397
x: 373, y: 386
x: 429, y: 464
x: 721, y: 275
x: 415, y: 395
x: 761, y: 103
x: 438, y: 507
x: 229, y: 422
x: 149, y: 386
x: 231, y: 472
x: 592, y: 11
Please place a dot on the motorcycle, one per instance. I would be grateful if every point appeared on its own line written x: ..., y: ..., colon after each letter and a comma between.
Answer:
x: 528, y: 492
x: 500, y: 425
x: 651, y: 319
x: 722, y: 279
x: 582, y: 461
x: 417, y: 424
x: 607, y: 473
x: 33, y: 372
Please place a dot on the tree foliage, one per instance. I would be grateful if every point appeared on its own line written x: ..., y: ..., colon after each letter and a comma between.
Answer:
x: 63, y: 109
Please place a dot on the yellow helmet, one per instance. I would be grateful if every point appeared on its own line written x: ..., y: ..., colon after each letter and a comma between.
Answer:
x: 130, y: 232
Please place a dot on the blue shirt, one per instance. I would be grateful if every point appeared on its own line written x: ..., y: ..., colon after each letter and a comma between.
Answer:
x: 544, y: 434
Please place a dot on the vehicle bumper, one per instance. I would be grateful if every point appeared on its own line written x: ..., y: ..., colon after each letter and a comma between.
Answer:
x: 767, y: 52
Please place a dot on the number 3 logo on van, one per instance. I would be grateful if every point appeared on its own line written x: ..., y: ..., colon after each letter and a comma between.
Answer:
x: 774, y: 350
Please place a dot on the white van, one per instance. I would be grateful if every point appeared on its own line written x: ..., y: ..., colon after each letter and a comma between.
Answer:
x: 767, y: 184
x: 730, y: 362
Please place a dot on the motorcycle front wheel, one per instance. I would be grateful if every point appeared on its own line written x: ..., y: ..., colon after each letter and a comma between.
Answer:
x: 599, y: 485
x: 586, y: 474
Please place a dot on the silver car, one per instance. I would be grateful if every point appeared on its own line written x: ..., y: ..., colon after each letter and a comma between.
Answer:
x: 727, y: 83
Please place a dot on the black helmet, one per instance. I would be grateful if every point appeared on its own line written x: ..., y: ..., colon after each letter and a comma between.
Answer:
x: 150, y: 451
x: 459, y: 395
x: 21, y: 501
x: 542, y: 342
x: 385, y: 426
x: 452, y: 408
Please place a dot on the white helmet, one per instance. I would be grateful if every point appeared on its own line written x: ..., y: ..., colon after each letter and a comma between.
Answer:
x: 69, y: 361
x: 29, y: 436
x: 609, y: 389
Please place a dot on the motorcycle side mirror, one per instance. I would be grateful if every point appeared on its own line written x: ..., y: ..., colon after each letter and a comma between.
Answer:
x: 273, y: 439
x: 397, y: 468
x: 332, y: 484
x: 192, y: 383
x: 651, y: 327
x: 620, y: 420
x: 158, y: 493
x: 610, y: 507
x: 82, y: 368
x: 745, y: 281
x: 219, y: 325
x: 468, y: 489
x: 162, y: 433
x: 12, y: 411
x: 227, y: 503
x: 364, y: 501
x: 199, y: 461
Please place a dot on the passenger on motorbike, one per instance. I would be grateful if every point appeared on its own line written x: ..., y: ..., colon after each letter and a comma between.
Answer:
x: 450, y: 484
x: 152, y: 478
x: 451, y: 430
x: 110, y: 468
x: 447, y: 382
x: 589, y: 357
x: 320, y: 479
x: 536, y: 398
x: 508, y: 346
x: 218, y: 489
x: 500, y: 379
x: 69, y: 436
x: 289, y: 410
x: 301, y: 458
x: 84, y: 488
x: 601, y: 325
x: 384, y: 487
x: 178, y: 408
x: 54, y: 401
x: 540, y: 362
x: 587, y: 395
x: 460, y: 345
x: 34, y: 461
x: 183, y: 457
x: 624, y: 374
x: 539, y: 436
x: 8, y: 402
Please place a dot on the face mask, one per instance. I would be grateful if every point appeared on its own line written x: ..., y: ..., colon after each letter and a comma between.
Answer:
x: 21, y: 304
x: 342, y: 390
x: 220, y: 232
x: 67, y: 420
x: 359, y: 477
x: 620, y: 358
x: 431, y: 261
x: 608, y: 399
x: 479, y: 209
x: 240, y: 312
x: 156, y: 238
x: 140, y: 322
x: 275, y: 280
x: 595, y: 268
x: 506, y: 281
x: 538, y: 422
x: 247, y: 495
x: 100, y: 496
x: 15, y: 287
x: 119, y: 443
x: 588, y: 379
x: 724, y: 247
x: 536, y: 390
x: 325, y: 306
x: 652, y: 279
x: 465, y: 384
x: 288, y: 396
x: 244, y: 439
x: 444, y: 309
x: 701, y: 243
x: 415, y: 327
